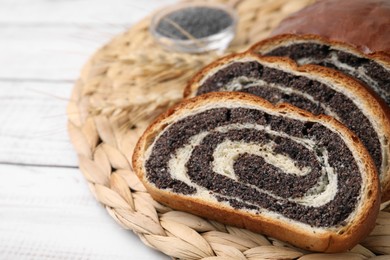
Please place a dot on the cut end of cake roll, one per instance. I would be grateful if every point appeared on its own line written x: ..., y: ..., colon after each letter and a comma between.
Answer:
x: 364, y: 24
x: 316, y: 89
x: 371, y: 69
x: 277, y: 170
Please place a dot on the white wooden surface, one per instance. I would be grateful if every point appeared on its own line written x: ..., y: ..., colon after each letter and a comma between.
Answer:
x: 46, y: 209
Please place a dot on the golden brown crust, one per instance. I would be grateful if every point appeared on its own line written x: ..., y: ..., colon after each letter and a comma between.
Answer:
x: 324, y: 242
x: 379, y: 110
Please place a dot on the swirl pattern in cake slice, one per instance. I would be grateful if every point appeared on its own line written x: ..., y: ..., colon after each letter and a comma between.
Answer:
x: 316, y: 89
x: 236, y: 158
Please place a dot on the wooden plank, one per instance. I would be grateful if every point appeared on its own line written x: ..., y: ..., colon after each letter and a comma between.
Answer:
x: 52, y: 39
x: 49, y: 213
x: 49, y: 53
x: 33, y: 128
x: 76, y: 11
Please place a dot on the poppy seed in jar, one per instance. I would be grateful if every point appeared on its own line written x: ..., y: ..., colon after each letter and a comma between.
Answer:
x: 198, y: 22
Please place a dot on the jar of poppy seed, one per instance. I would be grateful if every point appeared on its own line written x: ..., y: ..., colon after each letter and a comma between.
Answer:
x: 194, y: 28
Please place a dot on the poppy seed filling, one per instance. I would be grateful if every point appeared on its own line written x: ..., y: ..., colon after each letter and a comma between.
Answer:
x: 257, y: 183
x: 370, y: 72
x: 279, y: 86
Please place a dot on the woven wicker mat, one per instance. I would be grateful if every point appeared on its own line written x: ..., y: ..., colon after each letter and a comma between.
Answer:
x: 124, y: 86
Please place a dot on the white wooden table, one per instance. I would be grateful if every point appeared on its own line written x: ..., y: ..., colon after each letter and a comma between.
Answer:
x: 46, y: 208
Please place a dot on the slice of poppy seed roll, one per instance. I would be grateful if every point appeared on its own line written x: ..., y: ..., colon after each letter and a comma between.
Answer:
x: 316, y: 89
x: 278, y: 170
x: 371, y: 69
